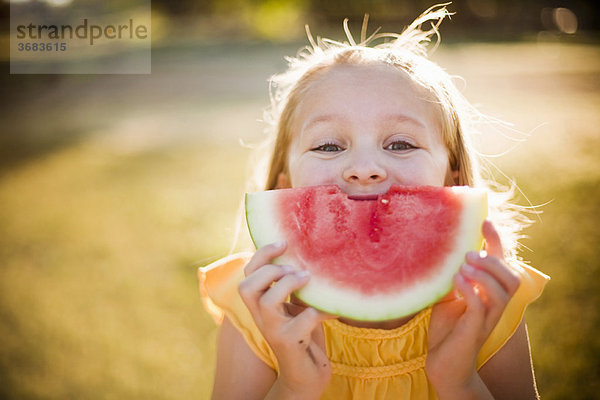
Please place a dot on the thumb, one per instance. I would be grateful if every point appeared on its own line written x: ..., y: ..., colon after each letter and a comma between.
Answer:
x: 493, y: 244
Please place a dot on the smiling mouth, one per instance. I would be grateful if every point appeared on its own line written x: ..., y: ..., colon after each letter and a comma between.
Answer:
x: 363, y: 196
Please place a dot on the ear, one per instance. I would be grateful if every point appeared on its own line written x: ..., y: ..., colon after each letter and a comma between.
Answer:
x: 282, y: 181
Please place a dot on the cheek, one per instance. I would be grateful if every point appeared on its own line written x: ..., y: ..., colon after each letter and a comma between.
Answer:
x: 426, y: 170
x: 310, y: 174
x: 441, y: 167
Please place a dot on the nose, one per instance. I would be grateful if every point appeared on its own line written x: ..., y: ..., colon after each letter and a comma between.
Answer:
x: 364, y: 169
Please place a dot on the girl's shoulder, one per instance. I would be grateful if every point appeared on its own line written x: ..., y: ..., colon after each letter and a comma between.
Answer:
x: 219, y: 290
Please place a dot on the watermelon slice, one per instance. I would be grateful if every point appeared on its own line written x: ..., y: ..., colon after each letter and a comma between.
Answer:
x: 372, y: 258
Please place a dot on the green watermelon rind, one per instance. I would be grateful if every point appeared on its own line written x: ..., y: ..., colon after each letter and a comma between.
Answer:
x: 325, y: 295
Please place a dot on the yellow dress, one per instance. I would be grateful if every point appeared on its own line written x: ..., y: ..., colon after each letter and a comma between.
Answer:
x: 366, y: 363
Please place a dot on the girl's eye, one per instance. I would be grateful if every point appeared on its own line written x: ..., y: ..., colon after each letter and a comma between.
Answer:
x: 399, y: 146
x: 327, y: 148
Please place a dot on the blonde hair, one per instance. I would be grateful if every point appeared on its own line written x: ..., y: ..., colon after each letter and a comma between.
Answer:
x: 407, y: 52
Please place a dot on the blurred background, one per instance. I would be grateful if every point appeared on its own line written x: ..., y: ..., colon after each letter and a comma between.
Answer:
x: 114, y: 189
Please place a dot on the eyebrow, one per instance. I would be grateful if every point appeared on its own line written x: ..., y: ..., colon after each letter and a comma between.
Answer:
x: 332, y: 117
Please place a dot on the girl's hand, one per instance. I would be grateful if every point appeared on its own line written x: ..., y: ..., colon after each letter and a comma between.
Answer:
x: 294, y: 332
x: 460, y: 326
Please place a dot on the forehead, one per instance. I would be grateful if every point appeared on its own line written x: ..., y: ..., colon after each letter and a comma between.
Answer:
x: 367, y: 90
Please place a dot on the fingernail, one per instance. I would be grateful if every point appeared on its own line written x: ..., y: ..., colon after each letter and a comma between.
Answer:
x: 302, y: 274
x: 468, y: 269
x: 287, y: 269
x: 472, y: 256
x: 279, y: 244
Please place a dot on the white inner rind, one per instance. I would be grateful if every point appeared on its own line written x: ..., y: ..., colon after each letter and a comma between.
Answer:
x: 328, y: 296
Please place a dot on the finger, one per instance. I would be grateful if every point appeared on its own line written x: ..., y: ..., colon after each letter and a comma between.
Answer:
x: 492, y: 294
x: 469, y: 324
x: 466, y: 288
x: 264, y: 255
x: 305, y: 323
x: 486, y: 286
x: 274, y: 298
x: 306, y: 328
x: 254, y: 285
x: 493, y: 244
x: 317, y: 356
x: 509, y: 279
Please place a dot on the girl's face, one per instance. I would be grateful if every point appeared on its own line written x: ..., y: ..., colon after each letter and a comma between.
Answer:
x: 366, y: 128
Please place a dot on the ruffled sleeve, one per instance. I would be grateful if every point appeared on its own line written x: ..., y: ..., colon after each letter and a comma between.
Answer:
x: 219, y: 289
x: 532, y: 285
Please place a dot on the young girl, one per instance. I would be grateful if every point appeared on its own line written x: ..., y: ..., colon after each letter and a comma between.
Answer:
x: 365, y: 118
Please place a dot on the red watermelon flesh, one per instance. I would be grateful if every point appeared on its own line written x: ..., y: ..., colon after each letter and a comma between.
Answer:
x: 374, y: 258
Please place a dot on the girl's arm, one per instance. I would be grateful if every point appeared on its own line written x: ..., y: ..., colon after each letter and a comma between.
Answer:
x: 240, y: 374
x: 509, y: 373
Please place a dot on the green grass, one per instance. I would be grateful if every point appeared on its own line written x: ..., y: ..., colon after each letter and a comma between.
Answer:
x: 100, y: 238
x: 98, y: 284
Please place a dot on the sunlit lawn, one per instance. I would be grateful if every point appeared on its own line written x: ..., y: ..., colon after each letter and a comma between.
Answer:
x: 100, y: 239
